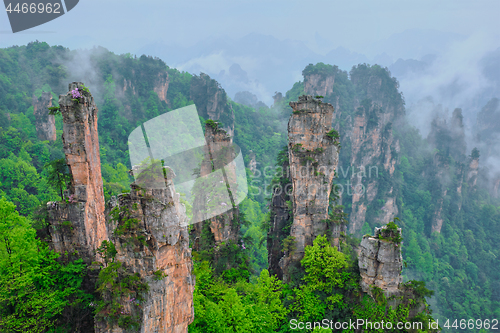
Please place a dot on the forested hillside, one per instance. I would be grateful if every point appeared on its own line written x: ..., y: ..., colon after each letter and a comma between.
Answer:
x: 450, y: 216
x: 128, y: 92
x: 386, y: 170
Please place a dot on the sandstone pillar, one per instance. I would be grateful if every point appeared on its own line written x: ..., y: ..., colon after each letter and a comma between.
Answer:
x: 313, y: 158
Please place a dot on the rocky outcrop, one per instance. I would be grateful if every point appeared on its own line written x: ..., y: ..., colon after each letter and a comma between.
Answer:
x: 448, y: 135
x: 211, y: 101
x: 44, y: 122
x: 281, y: 219
x: 156, y: 246
x: 380, y: 265
x: 84, y: 209
x: 381, y: 261
x: 318, y: 84
x: 313, y: 158
x: 488, y: 141
x: 437, y: 219
x: 224, y: 227
x: 146, y: 227
x: 277, y: 98
x: 127, y: 85
x: 372, y: 147
x: 161, y: 86
x: 496, y: 187
x: 473, y: 171
x: 252, y: 164
x: 365, y: 124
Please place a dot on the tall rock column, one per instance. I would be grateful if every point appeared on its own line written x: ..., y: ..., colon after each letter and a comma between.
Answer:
x: 79, y: 223
x: 81, y: 146
x: 224, y: 227
x: 151, y: 237
x: 45, y: 122
x: 313, y: 158
x: 142, y: 243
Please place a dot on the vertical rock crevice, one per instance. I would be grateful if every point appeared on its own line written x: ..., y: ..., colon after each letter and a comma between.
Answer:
x: 373, y: 147
x: 281, y: 219
x: 45, y: 123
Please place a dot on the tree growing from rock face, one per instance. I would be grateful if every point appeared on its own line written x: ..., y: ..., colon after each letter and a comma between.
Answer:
x: 58, y: 174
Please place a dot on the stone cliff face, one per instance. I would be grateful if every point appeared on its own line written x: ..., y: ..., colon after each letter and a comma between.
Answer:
x: 85, y: 207
x: 313, y: 158
x: 488, y: 142
x: 277, y: 98
x: 496, y: 187
x: 147, y: 226
x: 225, y: 226
x: 252, y: 164
x: 380, y: 265
x: 45, y: 123
x: 161, y: 86
x: 280, y: 221
x: 373, y: 147
x: 369, y: 109
x: 317, y: 84
x: 127, y: 85
x: 448, y: 137
x: 156, y: 245
x: 381, y: 262
x: 211, y: 101
x: 473, y: 171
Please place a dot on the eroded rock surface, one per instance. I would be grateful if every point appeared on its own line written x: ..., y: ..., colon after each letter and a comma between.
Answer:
x: 211, y: 101
x: 84, y: 211
x: 158, y: 245
x: 488, y: 142
x: 147, y: 226
x: 218, y: 154
x: 161, y: 86
x: 381, y: 263
x: 313, y: 158
x: 318, y: 84
x: 373, y: 147
x: 44, y: 122
x: 280, y: 220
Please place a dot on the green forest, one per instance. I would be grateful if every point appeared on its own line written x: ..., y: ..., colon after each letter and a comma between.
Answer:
x: 453, y: 273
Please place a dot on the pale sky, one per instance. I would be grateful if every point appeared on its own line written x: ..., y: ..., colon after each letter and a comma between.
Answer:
x: 126, y: 26
x: 211, y: 36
